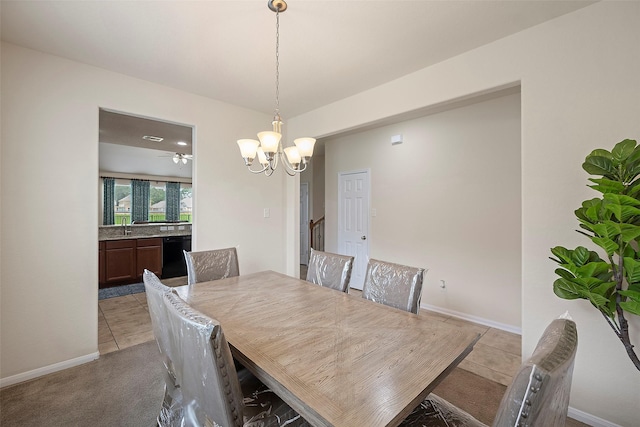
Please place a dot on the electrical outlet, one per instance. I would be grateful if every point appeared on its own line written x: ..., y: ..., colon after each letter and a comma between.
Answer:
x: 443, y: 286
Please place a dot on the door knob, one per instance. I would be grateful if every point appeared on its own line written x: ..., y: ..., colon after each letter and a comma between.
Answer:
x: 364, y: 238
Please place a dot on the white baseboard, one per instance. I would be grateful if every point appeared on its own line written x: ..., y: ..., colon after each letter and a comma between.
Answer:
x: 589, y: 419
x: 474, y: 319
x: 29, y: 375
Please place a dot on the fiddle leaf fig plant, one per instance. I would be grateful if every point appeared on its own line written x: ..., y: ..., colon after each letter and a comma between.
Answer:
x: 608, y: 279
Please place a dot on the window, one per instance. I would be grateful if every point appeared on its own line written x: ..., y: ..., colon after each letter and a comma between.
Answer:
x: 157, y: 206
x: 122, y: 201
x: 186, y: 202
x: 157, y: 201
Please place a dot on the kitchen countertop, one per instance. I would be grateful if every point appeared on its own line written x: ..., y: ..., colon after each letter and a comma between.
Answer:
x: 142, y: 231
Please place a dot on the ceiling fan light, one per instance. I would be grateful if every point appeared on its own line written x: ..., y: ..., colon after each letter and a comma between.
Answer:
x: 184, y: 160
x: 176, y: 159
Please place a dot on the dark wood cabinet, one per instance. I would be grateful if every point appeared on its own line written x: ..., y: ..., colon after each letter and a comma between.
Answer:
x: 149, y: 256
x: 102, y: 272
x: 122, y: 261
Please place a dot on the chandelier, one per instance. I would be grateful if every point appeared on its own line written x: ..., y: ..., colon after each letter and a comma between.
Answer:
x: 268, y: 149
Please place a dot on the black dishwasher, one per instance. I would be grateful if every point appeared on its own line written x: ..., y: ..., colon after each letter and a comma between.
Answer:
x: 173, y: 264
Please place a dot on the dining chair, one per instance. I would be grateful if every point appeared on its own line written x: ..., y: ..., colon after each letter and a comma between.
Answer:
x: 537, y: 396
x: 330, y: 270
x: 394, y: 285
x: 213, y: 393
x: 171, y: 410
x: 215, y: 264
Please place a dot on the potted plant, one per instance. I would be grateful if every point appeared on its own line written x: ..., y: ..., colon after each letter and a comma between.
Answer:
x: 612, y: 222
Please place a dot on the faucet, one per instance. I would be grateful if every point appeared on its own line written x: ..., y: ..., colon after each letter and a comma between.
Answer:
x: 126, y: 228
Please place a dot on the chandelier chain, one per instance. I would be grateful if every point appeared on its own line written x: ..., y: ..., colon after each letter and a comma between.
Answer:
x: 278, y: 63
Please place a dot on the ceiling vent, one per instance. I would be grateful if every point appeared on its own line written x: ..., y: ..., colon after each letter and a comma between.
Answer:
x: 152, y: 138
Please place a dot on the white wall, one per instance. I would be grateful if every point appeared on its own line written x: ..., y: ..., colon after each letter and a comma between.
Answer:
x: 450, y: 193
x: 580, y: 91
x: 49, y: 228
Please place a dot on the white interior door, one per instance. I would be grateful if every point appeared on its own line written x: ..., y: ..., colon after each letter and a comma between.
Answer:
x: 353, y: 222
x: 304, y: 223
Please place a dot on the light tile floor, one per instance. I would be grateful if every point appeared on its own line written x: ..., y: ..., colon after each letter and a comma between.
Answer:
x: 124, y: 322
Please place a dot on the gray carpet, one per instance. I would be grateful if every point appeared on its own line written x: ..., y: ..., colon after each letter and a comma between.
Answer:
x: 123, y: 388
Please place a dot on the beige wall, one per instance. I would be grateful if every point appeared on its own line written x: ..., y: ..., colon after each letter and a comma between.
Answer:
x: 49, y: 228
x: 450, y: 193
x: 580, y: 90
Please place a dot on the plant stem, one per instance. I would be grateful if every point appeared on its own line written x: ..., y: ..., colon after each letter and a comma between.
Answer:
x: 624, y: 335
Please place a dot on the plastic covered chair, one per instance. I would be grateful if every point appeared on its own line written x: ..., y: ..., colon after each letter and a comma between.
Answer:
x: 215, y: 264
x: 537, y: 396
x: 394, y: 285
x: 171, y: 410
x: 213, y: 393
x: 330, y: 270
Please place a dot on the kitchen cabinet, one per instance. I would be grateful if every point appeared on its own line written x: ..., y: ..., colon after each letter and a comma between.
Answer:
x: 122, y: 261
x: 102, y: 274
x: 149, y: 256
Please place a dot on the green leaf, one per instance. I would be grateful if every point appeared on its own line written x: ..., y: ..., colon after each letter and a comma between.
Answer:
x: 635, y: 156
x: 629, y: 232
x: 587, y: 283
x: 604, y: 289
x: 592, y: 269
x: 592, y: 213
x: 632, y: 270
x: 598, y: 300
x: 632, y: 170
x: 605, y: 185
x: 566, y: 289
x: 600, y: 152
x: 622, y: 213
x: 633, y: 295
x: 599, y: 165
x: 566, y: 274
x: 623, y: 150
x: 580, y: 256
x: 608, y: 229
x: 632, y: 304
x: 608, y: 245
x: 562, y: 253
x: 621, y: 199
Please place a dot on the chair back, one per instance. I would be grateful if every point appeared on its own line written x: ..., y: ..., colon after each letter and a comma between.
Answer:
x: 539, y: 392
x: 171, y: 411
x: 204, y: 367
x: 154, y: 290
x: 215, y: 264
x: 394, y: 285
x: 330, y: 270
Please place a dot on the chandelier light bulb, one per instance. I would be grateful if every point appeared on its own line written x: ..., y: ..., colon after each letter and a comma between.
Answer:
x: 293, y: 156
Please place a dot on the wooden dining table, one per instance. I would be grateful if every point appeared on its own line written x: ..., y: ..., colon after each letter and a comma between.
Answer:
x: 337, y: 359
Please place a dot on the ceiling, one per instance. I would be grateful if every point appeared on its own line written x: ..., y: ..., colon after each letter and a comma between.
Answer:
x: 226, y: 49
x: 122, y: 129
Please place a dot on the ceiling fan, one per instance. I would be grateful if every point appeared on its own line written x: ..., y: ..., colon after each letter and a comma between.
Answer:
x: 181, y: 157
